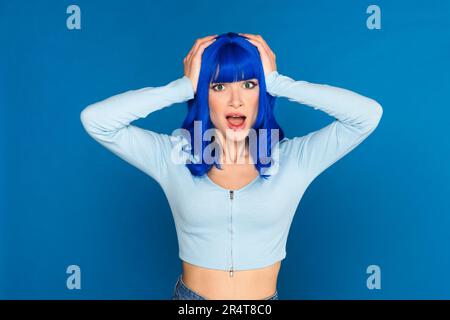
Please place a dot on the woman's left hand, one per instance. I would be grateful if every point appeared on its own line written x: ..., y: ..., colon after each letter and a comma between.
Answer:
x: 267, y: 55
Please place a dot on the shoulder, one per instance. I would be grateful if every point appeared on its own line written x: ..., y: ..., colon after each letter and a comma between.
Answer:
x: 294, y: 150
x: 288, y: 146
x: 178, y: 148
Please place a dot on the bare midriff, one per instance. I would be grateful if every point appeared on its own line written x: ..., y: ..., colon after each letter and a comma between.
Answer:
x: 213, y: 284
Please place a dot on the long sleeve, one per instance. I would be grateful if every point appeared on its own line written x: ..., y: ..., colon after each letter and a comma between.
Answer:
x: 356, y: 117
x: 108, y: 122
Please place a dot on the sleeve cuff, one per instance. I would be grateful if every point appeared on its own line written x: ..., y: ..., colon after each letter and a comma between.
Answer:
x: 270, y: 81
x: 185, y: 88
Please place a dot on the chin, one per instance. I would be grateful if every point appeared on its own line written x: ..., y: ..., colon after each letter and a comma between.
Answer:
x: 236, y: 135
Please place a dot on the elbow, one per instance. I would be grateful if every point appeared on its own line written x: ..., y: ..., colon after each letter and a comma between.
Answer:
x: 85, y: 116
x: 87, y: 119
x: 378, y: 110
x: 375, y: 114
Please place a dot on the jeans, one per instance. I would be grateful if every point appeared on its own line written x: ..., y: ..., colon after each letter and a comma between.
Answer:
x: 182, y: 292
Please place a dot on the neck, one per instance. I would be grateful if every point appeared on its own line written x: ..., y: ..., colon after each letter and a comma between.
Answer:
x: 234, y: 152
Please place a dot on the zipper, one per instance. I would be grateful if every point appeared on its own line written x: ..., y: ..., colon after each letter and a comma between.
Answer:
x: 231, y: 193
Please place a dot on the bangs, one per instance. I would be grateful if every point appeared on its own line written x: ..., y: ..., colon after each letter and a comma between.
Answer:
x: 234, y: 63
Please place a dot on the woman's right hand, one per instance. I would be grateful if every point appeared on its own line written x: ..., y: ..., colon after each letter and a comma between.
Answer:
x: 193, y: 60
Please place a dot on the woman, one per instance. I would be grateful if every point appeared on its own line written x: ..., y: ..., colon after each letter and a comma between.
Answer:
x: 233, y: 188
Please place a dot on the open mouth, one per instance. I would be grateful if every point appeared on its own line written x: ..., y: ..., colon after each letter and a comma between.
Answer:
x: 236, y: 121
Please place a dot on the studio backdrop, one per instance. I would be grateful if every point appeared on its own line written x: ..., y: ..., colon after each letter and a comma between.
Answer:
x: 77, y: 222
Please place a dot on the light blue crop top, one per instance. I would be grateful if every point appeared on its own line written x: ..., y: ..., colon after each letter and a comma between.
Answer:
x: 239, y: 229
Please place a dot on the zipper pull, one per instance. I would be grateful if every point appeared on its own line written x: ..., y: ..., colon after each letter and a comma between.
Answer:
x: 231, y: 194
x: 231, y: 272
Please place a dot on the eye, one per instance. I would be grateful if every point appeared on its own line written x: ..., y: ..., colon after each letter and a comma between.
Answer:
x: 252, y: 84
x: 216, y: 86
x: 247, y: 85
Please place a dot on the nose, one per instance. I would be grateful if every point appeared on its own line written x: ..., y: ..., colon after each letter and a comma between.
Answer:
x: 235, y: 98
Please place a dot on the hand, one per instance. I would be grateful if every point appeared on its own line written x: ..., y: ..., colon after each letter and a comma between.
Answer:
x: 267, y: 55
x: 193, y: 61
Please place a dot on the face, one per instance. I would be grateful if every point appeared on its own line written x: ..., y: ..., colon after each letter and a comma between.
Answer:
x: 233, y: 107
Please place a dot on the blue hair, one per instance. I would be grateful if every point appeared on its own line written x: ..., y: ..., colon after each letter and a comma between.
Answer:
x: 228, y: 59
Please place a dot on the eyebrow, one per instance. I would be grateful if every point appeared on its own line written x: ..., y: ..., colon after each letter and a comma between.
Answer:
x: 252, y: 79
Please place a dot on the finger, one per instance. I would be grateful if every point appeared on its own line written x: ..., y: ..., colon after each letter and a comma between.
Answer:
x: 264, y: 43
x: 197, y: 43
x: 200, y: 42
x: 259, y: 45
x: 259, y: 39
x: 202, y: 48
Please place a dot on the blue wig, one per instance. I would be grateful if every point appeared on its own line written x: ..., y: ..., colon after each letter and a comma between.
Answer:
x: 231, y: 58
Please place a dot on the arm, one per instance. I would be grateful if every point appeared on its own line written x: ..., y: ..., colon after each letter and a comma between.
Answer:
x: 108, y: 122
x: 356, y: 116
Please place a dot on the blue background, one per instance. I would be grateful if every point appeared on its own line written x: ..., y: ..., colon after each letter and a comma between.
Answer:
x: 65, y: 200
